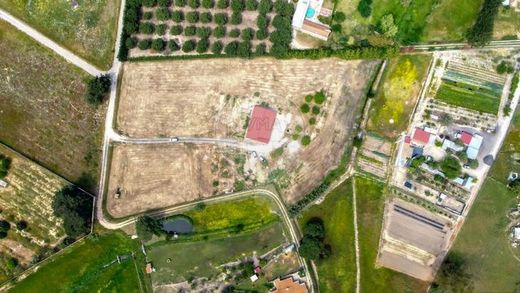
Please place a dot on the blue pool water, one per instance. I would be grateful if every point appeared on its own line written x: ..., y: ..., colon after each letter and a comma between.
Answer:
x: 310, y: 12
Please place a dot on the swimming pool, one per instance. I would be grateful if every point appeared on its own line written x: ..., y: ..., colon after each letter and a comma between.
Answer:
x: 310, y: 12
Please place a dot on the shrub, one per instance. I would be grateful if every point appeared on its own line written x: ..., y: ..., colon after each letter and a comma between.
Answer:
x: 237, y: 5
x: 336, y: 28
x: 188, y: 46
x: 231, y: 48
x: 262, y: 21
x: 306, y: 140
x: 247, y: 34
x: 192, y: 17
x: 236, y: 18
x: 387, y: 26
x: 144, y: 44
x: 177, y: 16
x: 219, y: 32
x: 319, y: 97
x: 162, y: 14
x: 149, y: 3
x: 221, y: 18
x: 194, y: 3
x: 148, y: 15
x: 74, y: 208
x: 482, y: 30
x: 315, y: 110
x: 176, y: 30
x: 310, y: 248
x: 161, y: 29
x: 180, y: 3
x: 163, y: 3
x: 244, y: 49
x: 450, y: 166
x: 158, y: 45
x: 265, y: 6
x: 251, y: 5
x: 284, y: 8
x: 130, y: 43
x: 314, y: 228
x: 173, y: 46
x: 97, y: 88
x: 339, y: 17
x: 365, y: 8
x: 222, y: 4
x: 203, y: 32
x: 505, y: 67
x: 206, y: 17
x: 202, y: 46
x: 216, y: 47
x: 281, y: 22
x: 190, y: 31
x: 21, y: 225
x: 261, y: 49
x: 234, y: 33
x: 312, y: 121
x: 208, y: 3
x: 305, y: 108
x: 262, y: 34
x: 147, y: 226
x: 146, y: 28
x: 4, y: 226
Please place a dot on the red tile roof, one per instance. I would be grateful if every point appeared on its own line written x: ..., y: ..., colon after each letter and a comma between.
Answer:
x: 421, y: 135
x: 466, y: 138
x: 407, y: 139
x: 261, y: 124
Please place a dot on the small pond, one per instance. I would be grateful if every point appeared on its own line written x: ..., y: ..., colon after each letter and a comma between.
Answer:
x: 178, y: 225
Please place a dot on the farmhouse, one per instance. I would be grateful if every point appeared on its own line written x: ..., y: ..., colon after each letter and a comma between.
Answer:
x: 422, y: 137
x: 289, y: 285
x: 473, y: 142
x: 305, y: 19
x: 261, y: 124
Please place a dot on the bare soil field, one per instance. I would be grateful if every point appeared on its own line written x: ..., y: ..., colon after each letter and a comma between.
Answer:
x: 43, y: 113
x: 214, y: 98
x: 28, y: 197
x: 156, y: 176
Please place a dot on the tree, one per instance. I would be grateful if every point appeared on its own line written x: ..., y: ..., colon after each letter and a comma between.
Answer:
x: 262, y: 34
x: 188, y: 46
x: 481, y: 32
x: 222, y: 4
x: 21, y: 225
x: 261, y: 49
x: 162, y: 13
x: 176, y: 30
x: 515, y: 186
x: 251, y: 5
x: 158, y: 45
x: 236, y: 18
x: 339, y: 17
x: 244, y: 49
x: 305, y: 108
x: 208, y: 3
x: 265, y: 6
x: 216, y: 47
x: 306, y: 140
x: 234, y: 33
x: 315, y: 110
x: 147, y: 226
x: 144, y: 44
x: 192, y: 17
x: 247, y: 34
x: 221, y: 18
x: 365, y: 8
x: 161, y: 29
x: 231, y: 48
x: 180, y: 3
x: 97, y: 88
x: 163, y: 3
x: 505, y: 67
x: 262, y: 21
x: 194, y: 3
x: 130, y: 43
x: 75, y: 209
x: 237, y: 5
x: 5, y: 164
x: 177, y: 16
x: 149, y: 3
x: 453, y: 275
x: 387, y: 26
x: 310, y: 248
x: 202, y: 45
x: 206, y: 17
x: 203, y: 32
x: 450, y: 166
x: 314, y: 228
x: 146, y: 28
x: 190, y: 31
x: 173, y: 46
x: 219, y: 32
x: 4, y: 226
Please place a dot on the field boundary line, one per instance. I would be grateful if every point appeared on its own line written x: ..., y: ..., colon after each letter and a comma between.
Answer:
x: 356, y: 238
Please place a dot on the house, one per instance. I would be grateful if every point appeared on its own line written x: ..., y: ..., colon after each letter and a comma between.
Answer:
x: 3, y: 183
x: 422, y: 137
x: 261, y: 124
x: 253, y: 278
x: 448, y: 144
x: 289, y: 285
x: 516, y: 233
x: 305, y: 19
x: 474, y: 147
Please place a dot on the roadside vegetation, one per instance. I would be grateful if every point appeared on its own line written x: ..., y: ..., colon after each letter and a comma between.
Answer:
x: 97, y: 89
x: 81, y: 268
x: 74, y: 207
x: 88, y: 30
x: 481, y: 32
x: 44, y: 113
x: 397, y: 95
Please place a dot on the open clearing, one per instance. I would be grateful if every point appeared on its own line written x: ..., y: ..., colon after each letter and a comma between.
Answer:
x: 156, y: 176
x: 28, y: 197
x: 214, y: 98
x: 43, y: 113
x: 80, y: 268
x: 337, y: 273
x: 507, y: 24
x: 89, y: 30
x: 396, y: 98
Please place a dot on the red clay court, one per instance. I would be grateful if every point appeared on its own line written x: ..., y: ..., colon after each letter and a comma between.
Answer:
x: 261, y: 124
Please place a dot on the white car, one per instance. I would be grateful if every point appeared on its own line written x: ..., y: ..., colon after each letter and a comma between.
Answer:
x: 174, y: 139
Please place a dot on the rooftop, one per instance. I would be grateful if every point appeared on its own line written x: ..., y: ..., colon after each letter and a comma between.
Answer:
x: 289, y: 285
x: 261, y: 124
x: 421, y: 136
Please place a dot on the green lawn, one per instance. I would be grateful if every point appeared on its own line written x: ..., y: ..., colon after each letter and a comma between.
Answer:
x: 370, y: 208
x: 509, y: 158
x: 199, y: 259
x: 89, y: 30
x: 338, y: 272
x: 463, y: 97
x: 450, y: 20
x: 44, y: 114
x: 80, y: 269
x: 398, y: 94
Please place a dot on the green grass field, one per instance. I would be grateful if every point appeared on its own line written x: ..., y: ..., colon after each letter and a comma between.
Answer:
x: 397, y: 95
x: 507, y: 24
x: 370, y: 208
x: 88, y: 31
x: 338, y: 272
x: 199, y: 259
x: 80, y: 268
x: 44, y: 113
x: 461, y: 96
x: 509, y: 158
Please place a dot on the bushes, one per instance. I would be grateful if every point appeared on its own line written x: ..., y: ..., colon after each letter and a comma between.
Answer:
x: 208, y: 3
x: 144, y: 44
x: 221, y: 18
x: 262, y: 34
x: 505, y: 67
x: 222, y: 4
x: 192, y: 17
x: 202, y: 46
x: 206, y: 17
x: 74, y: 208
x: 163, y: 3
x: 188, y: 46
x: 217, y: 47
x: 146, y: 28
x: 450, y: 166
x: 248, y: 34
x: 147, y: 226
x: 173, y: 46
x: 234, y: 33
x: 481, y: 32
x: 346, y: 53
x: 219, y: 32
x: 251, y: 5
x: 203, y: 32
x: 313, y: 195
x: 158, y: 45
x: 176, y: 30
x: 305, y: 108
x: 237, y: 5
x: 365, y: 8
x: 194, y: 3
x: 236, y: 18
x: 149, y: 3
x: 177, y: 16
x: 306, y: 140
x: 97, y: 88
x: 261, y: 49
x: 190, y: 31
x: 21, y: 225
x: 162, y: 13
x: 4, y: 228
x: 5, y: 164
x: 265, y: 6
x: 161, y: 29
x: 231, y: 48
x: 180, y: 3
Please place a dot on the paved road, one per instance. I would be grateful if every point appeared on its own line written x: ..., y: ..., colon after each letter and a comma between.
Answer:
x: 66, y: 54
